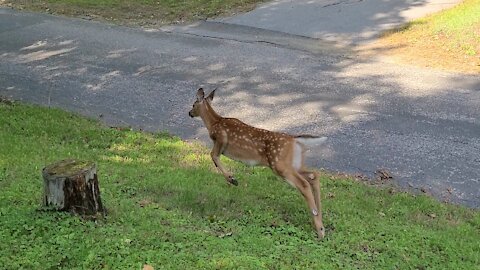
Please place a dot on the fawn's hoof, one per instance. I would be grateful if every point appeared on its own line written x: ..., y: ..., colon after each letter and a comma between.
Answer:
x: 321, y: 233
x: 232, y: 181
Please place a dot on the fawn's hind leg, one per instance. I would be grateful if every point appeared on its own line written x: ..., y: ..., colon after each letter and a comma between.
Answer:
x: 304, y: 186
x: 314, y: 181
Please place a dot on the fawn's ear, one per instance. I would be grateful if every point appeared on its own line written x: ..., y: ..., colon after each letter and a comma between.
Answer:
x: 200, y: 94
x: 210, y: 96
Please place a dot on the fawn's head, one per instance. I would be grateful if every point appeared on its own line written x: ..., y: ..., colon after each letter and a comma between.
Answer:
x: 200, y: 103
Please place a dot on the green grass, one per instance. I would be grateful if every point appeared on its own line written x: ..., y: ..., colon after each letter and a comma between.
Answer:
x: 139, y: 12
x: 168, y: 207
x: 448, y: 39
x: 459, y: 27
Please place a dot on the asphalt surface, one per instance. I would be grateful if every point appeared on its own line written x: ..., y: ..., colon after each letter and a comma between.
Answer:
x: 344, y: 21
x: 420, y: 125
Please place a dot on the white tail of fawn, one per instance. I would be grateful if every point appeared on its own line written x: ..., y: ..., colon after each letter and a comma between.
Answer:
x: 283, y: 153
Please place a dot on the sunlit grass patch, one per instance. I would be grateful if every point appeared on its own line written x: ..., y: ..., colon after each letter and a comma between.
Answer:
x: 169, y: 207
x: 449, y: 39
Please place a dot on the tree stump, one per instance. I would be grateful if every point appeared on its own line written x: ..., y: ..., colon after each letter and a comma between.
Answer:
x: 71, y: 185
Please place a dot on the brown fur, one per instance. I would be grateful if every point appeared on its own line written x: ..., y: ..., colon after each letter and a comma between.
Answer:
x: 279, y: 151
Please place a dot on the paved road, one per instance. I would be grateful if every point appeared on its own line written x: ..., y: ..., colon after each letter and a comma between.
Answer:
x: 345, y: 21
x: 421, y: 125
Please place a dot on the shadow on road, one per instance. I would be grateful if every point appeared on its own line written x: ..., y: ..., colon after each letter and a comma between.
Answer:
x: 420, y: 125
x: 347, y: 21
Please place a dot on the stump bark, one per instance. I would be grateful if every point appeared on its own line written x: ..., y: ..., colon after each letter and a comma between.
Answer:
x: 71, y: 185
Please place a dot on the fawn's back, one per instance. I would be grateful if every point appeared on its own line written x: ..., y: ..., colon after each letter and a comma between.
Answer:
x: 250, y: 145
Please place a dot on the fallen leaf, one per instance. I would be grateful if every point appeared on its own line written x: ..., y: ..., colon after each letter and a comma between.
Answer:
x: 144, y: 202
x: 225, y: 234
x: 148, y: 267
x: 274, y: 224
x: 383, y: 175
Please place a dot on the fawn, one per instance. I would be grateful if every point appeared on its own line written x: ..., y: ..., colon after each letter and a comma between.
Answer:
x: 283, y: 153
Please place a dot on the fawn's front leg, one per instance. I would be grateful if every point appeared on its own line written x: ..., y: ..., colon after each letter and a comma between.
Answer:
x: 217, y: 150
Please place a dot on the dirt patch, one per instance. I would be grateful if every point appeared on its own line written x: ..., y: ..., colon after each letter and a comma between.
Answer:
x: 428, y: 52
x: 448, y: 40
x: 6, y: 101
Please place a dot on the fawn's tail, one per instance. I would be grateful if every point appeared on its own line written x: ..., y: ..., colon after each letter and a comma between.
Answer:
x: 310, y: 140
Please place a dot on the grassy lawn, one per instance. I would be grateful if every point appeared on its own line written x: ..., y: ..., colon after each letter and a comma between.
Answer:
x: 449, y: 40
x: 169, y: 208
x: 138, y: 12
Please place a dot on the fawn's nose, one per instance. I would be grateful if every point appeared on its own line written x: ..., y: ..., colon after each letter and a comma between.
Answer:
x: 190, y: 113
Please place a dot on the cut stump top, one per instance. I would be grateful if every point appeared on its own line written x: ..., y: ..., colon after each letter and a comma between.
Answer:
x: 67, y: 168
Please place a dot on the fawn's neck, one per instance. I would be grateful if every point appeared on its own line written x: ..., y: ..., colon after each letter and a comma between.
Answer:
x: 209, y: 116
